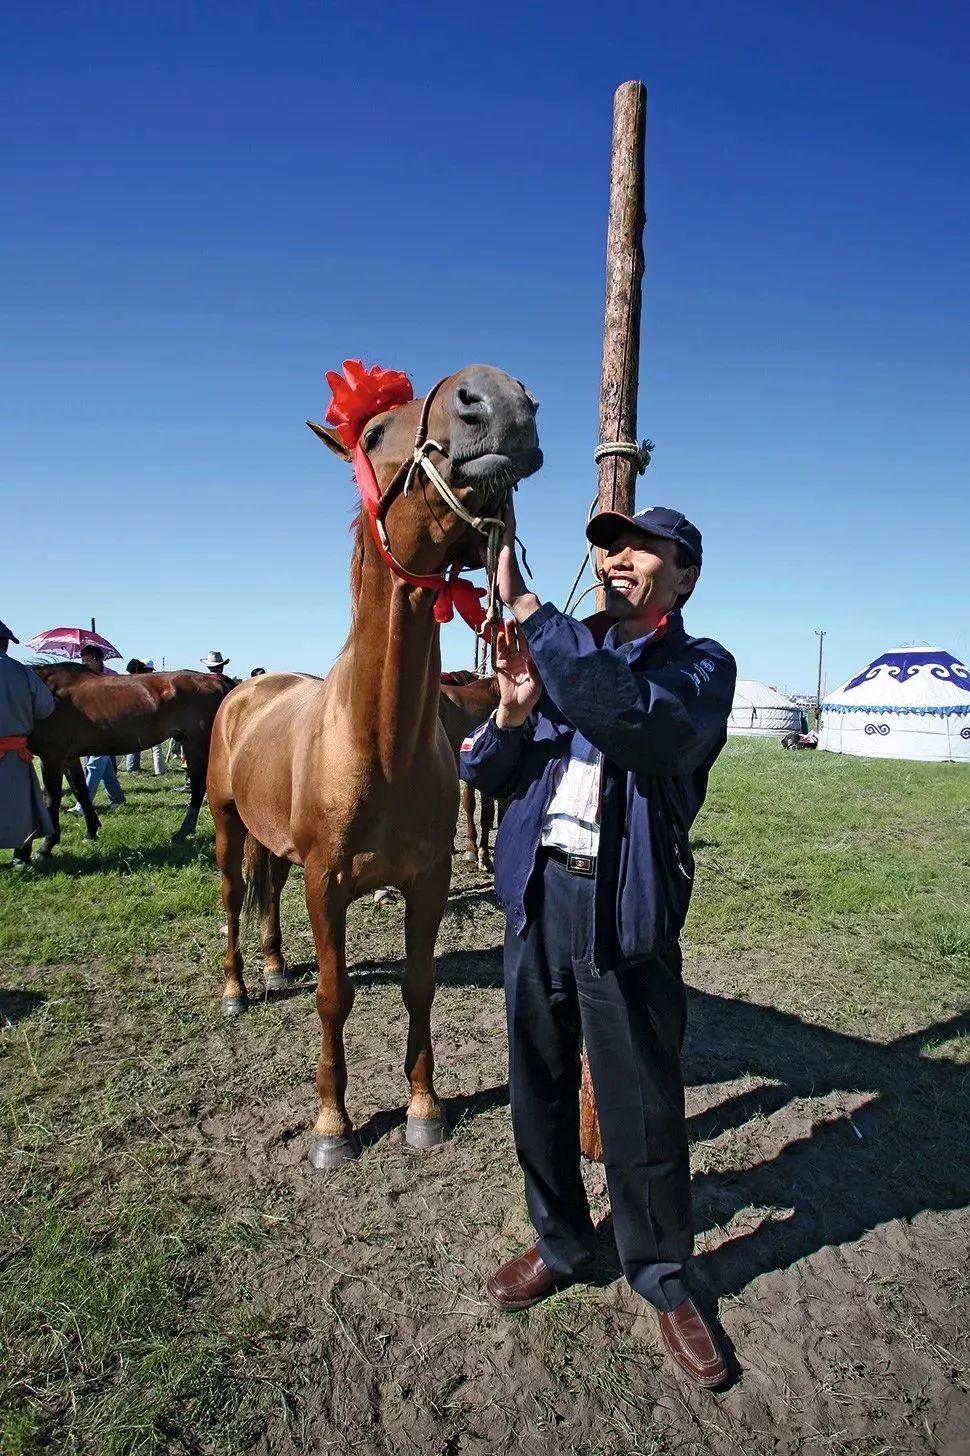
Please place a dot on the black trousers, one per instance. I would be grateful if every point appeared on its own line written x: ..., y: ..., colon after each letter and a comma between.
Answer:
x: 633, y: 1025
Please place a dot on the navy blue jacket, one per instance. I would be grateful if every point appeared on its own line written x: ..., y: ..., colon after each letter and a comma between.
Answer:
x: 658, y: 712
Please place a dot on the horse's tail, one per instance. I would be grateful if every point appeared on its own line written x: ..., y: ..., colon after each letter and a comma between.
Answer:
x: 256, y: 869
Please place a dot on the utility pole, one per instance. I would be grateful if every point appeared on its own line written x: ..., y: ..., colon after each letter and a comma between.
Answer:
x: 820, y: 634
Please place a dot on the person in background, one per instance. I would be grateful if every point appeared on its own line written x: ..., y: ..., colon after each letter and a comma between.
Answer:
x: 214, y: 662
x: 99, y: 768
x: 24, y: 701
x: 258, y: 672
x: 133, y: 760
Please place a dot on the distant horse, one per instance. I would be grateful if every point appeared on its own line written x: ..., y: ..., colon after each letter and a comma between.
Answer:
x: 353, y: 777
x: 100, y: 713
x: 466, y: 701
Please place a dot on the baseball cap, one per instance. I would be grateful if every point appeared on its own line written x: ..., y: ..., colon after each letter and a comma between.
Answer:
x: 663, y: 521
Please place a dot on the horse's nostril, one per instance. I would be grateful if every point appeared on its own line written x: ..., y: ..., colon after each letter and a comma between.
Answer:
x: 470, y: 404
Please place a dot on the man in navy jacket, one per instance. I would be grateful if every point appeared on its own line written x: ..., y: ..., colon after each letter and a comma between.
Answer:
x: 603, y: 739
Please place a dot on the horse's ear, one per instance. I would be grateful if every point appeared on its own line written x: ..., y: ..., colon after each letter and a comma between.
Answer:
x: 331, y: 439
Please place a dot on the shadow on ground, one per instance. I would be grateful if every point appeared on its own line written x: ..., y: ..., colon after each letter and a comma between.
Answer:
x: 16, y: 1005
x: 900, y: 1152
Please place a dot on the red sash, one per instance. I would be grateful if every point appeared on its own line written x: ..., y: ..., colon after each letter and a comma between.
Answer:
x: 16, y: 743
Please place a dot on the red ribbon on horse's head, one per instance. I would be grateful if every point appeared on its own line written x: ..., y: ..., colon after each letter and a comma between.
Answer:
x: 359, y: 394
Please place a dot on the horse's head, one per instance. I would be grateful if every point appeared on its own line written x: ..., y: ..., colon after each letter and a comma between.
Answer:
x: 481, y: 432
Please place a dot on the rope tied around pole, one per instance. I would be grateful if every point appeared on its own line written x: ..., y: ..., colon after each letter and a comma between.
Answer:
x: 628, y: 449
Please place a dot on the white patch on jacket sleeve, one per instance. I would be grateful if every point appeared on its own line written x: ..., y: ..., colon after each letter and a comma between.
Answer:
x: 472, y: 739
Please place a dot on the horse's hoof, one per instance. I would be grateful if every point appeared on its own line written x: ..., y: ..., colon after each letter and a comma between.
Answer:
x: 327, y: 1152
x: 470, y: 857
x: 234, y: 1005
x: 278, y: 980
x: 91, y: 834
x: 179, y: 837
x: 426, y: 1132
x: 382, y: 895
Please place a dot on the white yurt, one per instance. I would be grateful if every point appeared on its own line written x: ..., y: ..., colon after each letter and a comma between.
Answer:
x: 762, y: 712
x: 912, y: 702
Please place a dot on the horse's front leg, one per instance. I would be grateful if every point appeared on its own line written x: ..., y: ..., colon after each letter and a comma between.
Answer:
x: 488, y: 819
x: 53, y: 775
x: 334, y: 1139
x: 424, y: 906
x: 471, y: 835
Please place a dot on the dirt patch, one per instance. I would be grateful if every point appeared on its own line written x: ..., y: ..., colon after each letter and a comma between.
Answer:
x: 829, y: 1193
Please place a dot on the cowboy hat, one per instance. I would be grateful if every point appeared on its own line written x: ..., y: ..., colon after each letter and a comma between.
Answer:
x: 214, y: 659
x: 6, y: 632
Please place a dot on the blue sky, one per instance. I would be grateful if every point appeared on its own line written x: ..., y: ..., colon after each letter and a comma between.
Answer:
x: 210, y: 204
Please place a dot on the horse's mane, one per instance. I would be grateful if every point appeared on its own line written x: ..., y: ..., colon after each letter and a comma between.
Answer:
x: 460, y: 679
x: 73, y: 669
x: 356, y: 563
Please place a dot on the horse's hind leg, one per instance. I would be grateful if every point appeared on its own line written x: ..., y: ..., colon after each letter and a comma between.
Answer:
x: 424, y: 906
x: 334, y: 1138
x: 471, y: 836
x: 79, y: 787
x: 196, y: 764
x: 230, y: 842
x: 275, y: 974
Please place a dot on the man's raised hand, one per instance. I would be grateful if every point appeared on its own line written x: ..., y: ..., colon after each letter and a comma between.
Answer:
x: 519, y: 684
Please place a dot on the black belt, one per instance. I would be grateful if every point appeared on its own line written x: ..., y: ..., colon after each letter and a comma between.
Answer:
x: 576, y: 864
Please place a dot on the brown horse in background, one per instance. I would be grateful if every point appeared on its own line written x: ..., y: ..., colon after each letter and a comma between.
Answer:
x: 353, y: 777
x: 466, y: 701
x: 101, y: 713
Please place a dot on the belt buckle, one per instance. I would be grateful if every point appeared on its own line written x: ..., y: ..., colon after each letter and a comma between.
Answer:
x: 580, y: 864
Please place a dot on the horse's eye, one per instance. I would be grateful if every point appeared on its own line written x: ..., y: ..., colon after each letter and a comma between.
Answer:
x: 372, y: 436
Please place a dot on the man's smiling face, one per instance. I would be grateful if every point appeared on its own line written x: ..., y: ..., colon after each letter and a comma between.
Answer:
x: 642, y: 577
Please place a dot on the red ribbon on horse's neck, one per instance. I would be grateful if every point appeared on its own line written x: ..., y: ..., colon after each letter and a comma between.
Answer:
x: 452, y: 592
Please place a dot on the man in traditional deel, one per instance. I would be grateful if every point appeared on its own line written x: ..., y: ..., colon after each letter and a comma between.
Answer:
x: 24, y: 701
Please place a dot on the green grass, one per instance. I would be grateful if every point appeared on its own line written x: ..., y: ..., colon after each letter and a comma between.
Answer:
x: 855, y: 873
x: 110, y: 1342
x: 832, y: 888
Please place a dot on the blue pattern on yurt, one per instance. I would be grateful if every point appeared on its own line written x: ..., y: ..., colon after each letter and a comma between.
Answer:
x: 904, y: 665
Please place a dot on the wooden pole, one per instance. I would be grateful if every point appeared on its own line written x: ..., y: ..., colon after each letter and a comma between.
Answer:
x: 619, y: 378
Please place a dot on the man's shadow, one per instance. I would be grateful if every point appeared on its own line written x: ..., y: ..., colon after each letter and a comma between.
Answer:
x: 903, y: 1152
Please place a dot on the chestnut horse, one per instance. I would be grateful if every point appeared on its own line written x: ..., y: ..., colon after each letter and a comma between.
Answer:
x: 466, y: 701
x: 116, y: 713
x: 353, y: 777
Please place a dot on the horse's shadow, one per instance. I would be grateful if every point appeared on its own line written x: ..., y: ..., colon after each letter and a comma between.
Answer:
x: 460, y: 969
x: 123, y: 859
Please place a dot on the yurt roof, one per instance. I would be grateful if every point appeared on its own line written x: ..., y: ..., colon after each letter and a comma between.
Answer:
x: 921, y: 680
x: 748, y: 691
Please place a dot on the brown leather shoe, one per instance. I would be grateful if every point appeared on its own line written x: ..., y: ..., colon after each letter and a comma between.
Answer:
x: 523, y: 1282
x: 690, y: 1340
